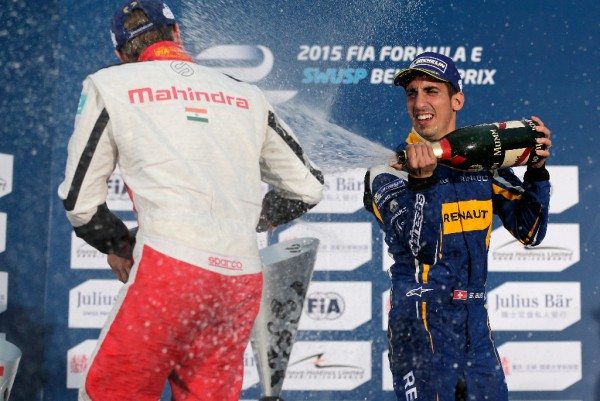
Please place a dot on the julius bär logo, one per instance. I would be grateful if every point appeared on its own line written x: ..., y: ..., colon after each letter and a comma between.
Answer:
x: 91, y: 302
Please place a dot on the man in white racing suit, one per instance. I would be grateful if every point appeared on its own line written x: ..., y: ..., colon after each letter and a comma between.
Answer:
x: 193, y: 146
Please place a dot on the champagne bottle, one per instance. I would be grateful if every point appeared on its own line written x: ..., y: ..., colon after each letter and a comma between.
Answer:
x: 487, y: 146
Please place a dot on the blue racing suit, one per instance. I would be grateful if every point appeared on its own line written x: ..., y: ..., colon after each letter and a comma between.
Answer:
x: 438, y: 232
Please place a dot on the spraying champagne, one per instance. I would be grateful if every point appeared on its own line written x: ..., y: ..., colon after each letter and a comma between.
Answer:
x: 487, y: 146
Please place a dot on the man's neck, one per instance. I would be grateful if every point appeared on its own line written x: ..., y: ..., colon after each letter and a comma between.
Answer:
x: 414, y: 137
x: 165, y: 50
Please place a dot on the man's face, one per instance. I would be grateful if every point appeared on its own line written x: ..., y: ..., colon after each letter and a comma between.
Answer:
x: 431, y: 108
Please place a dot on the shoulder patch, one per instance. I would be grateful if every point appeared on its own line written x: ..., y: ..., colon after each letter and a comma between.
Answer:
x: 81, y: 104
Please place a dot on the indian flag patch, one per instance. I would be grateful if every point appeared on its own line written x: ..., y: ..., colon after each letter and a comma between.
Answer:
x: 196, y: 114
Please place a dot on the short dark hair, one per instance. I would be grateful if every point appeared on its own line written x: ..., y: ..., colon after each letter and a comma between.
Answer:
x: 451, y: 89
x: 134, y: 47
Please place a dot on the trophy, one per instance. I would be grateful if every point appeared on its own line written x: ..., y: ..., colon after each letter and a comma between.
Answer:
x: 287, y: 270
x: 10, y: 355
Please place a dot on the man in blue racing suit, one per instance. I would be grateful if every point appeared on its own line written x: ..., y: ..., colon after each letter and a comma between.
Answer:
x: 437, y: 223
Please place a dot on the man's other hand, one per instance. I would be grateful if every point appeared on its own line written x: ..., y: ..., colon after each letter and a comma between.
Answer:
x: 546, y: 141
x: 120, y: 266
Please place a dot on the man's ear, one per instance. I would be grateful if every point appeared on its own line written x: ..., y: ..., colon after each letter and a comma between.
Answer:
x: 458, y: 101
x: 121, y: 56
x: 176, y: 34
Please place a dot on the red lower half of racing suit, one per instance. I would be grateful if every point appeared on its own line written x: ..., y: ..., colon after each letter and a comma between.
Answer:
x: 175, y: 322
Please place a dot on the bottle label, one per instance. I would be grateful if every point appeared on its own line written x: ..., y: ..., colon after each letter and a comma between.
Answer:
x: 514, y: 143
x: 516, y: 157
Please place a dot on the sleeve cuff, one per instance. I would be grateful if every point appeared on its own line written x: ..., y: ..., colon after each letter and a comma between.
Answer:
x: 106, y: 232
x: 536, y: 174
x: 420, y: 184
x: 277, y: 210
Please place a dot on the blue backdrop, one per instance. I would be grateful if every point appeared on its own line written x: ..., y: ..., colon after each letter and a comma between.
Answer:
x: 319, y: 62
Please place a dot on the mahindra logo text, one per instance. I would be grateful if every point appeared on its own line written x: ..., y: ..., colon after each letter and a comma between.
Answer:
x: 142, y: 95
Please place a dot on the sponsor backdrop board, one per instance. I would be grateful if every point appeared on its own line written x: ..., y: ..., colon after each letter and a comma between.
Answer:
x: 327, y: 66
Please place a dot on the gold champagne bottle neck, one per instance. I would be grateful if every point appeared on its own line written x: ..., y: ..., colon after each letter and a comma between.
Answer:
x: 437, y: 150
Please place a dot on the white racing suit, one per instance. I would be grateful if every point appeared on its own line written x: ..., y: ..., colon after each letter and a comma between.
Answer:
x: 193, y: 146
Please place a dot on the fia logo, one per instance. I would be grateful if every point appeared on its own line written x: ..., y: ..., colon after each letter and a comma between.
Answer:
x: 325, y: 305
x: 223, y: 56
x: 117, y: 190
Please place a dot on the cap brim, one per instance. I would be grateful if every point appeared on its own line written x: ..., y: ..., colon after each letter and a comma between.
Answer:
x: 404, y: 76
